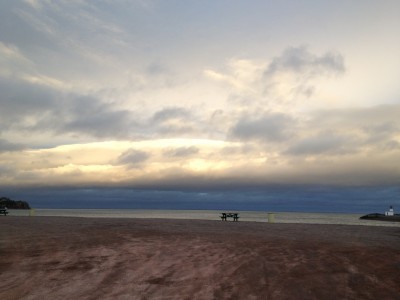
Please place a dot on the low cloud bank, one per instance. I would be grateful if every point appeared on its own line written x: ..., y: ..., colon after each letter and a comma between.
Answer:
x: 272, y: 198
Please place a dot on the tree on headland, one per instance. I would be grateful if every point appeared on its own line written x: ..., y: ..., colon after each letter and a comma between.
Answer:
x: 13, y: 204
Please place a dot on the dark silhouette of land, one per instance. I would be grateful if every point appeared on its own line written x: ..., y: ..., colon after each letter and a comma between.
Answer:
x: 381, y: 217
x: 13, y: 204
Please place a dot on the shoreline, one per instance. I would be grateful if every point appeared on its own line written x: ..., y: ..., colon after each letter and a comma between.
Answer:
x: 245, y: 216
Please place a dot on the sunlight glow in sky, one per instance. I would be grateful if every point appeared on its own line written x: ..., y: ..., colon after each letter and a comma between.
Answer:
x: 162, y: 94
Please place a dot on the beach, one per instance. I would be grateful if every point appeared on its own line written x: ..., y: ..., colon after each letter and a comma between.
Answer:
x: 128, y: 258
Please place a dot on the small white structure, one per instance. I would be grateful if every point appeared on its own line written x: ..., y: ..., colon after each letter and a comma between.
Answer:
x: 390, y: 212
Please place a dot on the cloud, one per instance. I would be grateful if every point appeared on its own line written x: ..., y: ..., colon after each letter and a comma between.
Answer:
x: 11, y: 52
x: 241, y: 74
x: 324, y: 143
x: 373, y: 130
x: 13, y: 63
x: 181, y: 152
x: 282, y: 83
x: 21, y: 101
x: 300, y: 60
x: 375, y: 126
x: 76, y: 43
x: 6, y: 146
x: 88, y: 115
x: 31, y: 107
x: 382, y: 131
x: 173, y: 121
x: 133, y: 158
x: 270, y: 127
x: 34, y: 3
x: 295, y: 74
x: 80, y: 72
x: 171, y: 113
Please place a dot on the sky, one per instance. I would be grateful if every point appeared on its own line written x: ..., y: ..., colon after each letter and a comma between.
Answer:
x: 178, y: 95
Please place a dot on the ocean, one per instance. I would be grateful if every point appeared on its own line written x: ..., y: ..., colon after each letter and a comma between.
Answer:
x: 245, y: 216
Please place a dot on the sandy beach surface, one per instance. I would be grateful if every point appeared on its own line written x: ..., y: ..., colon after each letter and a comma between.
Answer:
x: 100, y: 258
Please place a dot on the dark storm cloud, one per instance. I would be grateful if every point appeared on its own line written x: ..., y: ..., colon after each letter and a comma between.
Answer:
x: 300, y: 60
x: 274, y: 127
x: 181, y: 152
x: 133, y: 158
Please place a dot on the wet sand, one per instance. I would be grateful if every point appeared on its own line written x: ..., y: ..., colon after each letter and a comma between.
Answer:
x: 88, y: 258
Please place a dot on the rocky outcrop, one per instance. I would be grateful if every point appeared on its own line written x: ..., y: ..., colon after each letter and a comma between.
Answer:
x: 381, y: 217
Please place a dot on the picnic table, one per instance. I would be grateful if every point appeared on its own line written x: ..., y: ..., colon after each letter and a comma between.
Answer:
x: 224, y: 216
x: 3, y: 211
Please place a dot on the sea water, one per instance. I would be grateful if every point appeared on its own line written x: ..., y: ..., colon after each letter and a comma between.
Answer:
x: 247, y: 216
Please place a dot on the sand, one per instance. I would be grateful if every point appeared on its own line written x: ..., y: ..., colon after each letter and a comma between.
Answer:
x: 88, y: 258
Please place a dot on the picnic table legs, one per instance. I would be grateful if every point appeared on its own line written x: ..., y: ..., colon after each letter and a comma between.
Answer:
x: 224, y: 217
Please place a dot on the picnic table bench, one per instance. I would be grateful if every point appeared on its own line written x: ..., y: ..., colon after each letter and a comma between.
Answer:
x: 224, y: 216
x: 3, y: 211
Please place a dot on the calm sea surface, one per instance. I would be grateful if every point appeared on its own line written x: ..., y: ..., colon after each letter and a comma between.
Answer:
x: 249, y: 216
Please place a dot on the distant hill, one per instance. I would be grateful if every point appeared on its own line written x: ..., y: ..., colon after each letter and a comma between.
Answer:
x: 13, y: 204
